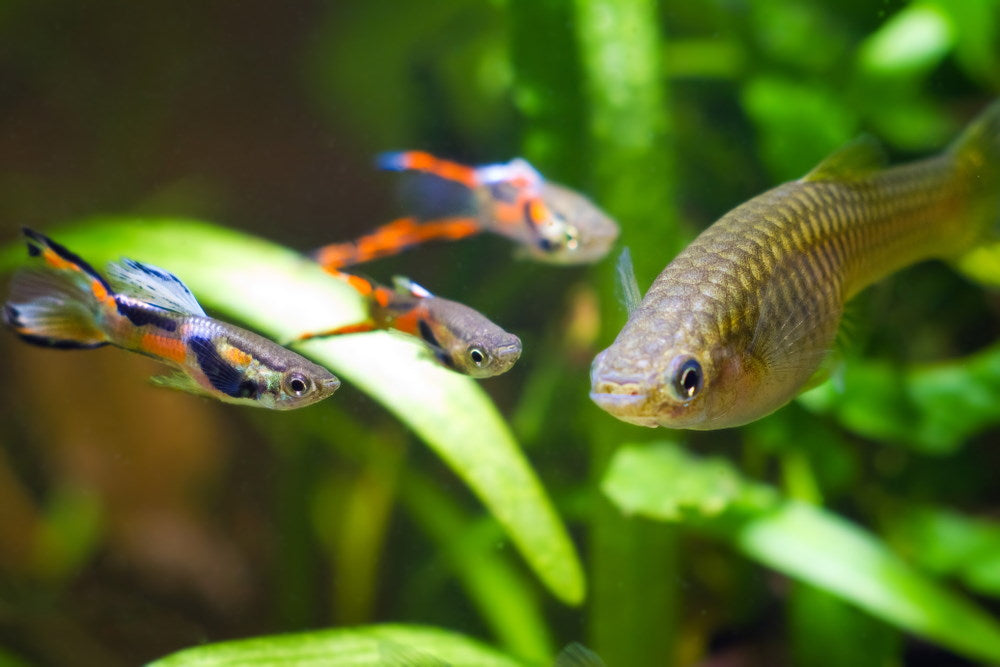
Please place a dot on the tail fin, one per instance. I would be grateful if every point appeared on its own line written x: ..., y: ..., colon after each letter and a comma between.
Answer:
x: 392, y: 238
x: 59, y: 304
x: 980, y: 142
x: 425, y: 162
x: 977, y: 151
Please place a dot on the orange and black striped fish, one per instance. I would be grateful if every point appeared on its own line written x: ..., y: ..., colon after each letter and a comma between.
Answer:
x: 460, y: 338
x: 741, y: 320
x: 549, y: 222
x: 63, y: 302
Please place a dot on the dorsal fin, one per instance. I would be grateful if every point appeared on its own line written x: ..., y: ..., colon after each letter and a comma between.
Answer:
x: 852, y: 161
x: 407, y: 286
x: 153, y: 285
x: 628, y: 286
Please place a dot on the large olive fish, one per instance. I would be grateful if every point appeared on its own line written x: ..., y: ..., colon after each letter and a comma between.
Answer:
x: 549, y: 222
x: 741, y: 320
x: 63, y: 302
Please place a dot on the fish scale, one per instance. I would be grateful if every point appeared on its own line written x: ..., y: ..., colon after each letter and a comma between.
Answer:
x: 754, y: 303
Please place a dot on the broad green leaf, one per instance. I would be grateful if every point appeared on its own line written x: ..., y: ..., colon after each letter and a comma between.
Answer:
x: 932, y: 407
x: 950, y: 544
x: 661, y: 482
x: 804, y: 542
x: 914, y: 40
x: 381, y: 645
x: 278, y: 292
x: 798, y: 124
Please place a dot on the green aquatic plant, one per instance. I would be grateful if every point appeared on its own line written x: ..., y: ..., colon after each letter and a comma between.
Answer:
x: 857, y: 525
x: 282, y: 294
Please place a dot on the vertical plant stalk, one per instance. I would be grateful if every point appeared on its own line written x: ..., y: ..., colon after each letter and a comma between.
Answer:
x: 634, y: 607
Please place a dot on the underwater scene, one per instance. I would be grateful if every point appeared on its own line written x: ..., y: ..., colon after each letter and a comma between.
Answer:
x: 523, y: 333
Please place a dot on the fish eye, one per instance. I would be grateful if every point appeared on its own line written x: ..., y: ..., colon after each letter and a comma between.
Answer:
x: 572, y: 237
x: 477, y: 356
x: 297, y: 384
x: 687, y: 379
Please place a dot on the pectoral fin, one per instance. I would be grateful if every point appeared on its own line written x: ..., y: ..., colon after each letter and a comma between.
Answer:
x: 179, y: 382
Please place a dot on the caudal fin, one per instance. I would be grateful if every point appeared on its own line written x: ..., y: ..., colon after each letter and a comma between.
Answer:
x: 977, y: 151
x: 425, y: 162
x: 59, y: 303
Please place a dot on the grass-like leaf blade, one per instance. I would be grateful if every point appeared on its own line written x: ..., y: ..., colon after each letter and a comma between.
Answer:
x: 800, y: 540
x: 281, y: 294
x: 381, y: 645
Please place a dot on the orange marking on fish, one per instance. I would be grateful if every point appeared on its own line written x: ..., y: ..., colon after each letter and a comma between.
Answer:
x: 392, y: 238
x: 452, y: 171
x: 236, y: 356
x: 360, y: 327
x: 362, y: 286
x: 57, y: 262
x: 101, y: 293
x: 409, y: 322
x: 383, y: 296
x: 162, y: 346
x: 537, y: 210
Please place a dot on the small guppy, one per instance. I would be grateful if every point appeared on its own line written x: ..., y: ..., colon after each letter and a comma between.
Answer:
x: 65, y: 303
x: 460, y: 338
x: 550, y: 222
x: 740, y: 321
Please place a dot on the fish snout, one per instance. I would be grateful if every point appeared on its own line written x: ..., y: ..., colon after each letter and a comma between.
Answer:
x: 626, y: 395
x: 510, y: 352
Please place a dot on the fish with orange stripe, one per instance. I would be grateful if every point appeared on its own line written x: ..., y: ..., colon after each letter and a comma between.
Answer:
x: 459, y: 337
x: 63, y: 302
x: 549, y: 222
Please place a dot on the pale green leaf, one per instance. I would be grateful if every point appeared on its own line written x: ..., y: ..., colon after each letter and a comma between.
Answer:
x: 661, y: 482
x: 281, y: 294
x: 804, y: 542
x: 376, y: 645
x: 931, y: 407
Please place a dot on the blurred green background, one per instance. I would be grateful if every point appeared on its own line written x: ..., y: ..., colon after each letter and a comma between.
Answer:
x: 857, y: 526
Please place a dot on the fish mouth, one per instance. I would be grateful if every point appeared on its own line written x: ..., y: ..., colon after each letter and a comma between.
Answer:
x: 329, y: 385
x: 626, y: 407
x: 506, y: 356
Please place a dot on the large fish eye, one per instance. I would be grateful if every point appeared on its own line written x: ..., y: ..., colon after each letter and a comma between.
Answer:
x: 477, y: 356
x: 687, y: 378
x: 297, y: 384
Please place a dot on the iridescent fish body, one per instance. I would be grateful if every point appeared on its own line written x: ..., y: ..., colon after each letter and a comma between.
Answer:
x: 63, y: 302
x: 549, y: 222
x: 741, y: 320
x: 460, y: 338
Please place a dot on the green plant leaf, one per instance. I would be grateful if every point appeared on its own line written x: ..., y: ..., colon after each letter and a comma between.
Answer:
x: 382, y: 645
x: 951, y: 544
x: 635, y: 482
x: 278, y: 292
x: 933, y: 407
x: 801, y: 541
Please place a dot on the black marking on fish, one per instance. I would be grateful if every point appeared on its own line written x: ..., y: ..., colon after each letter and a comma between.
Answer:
x: 11, y: 316
x: 141, y: 314
x: 58, y: 343
x: 249, y: 389
x: 63, y: 252
x: 220, y: 373
x: 427, y: 334
x: 439, y: 352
